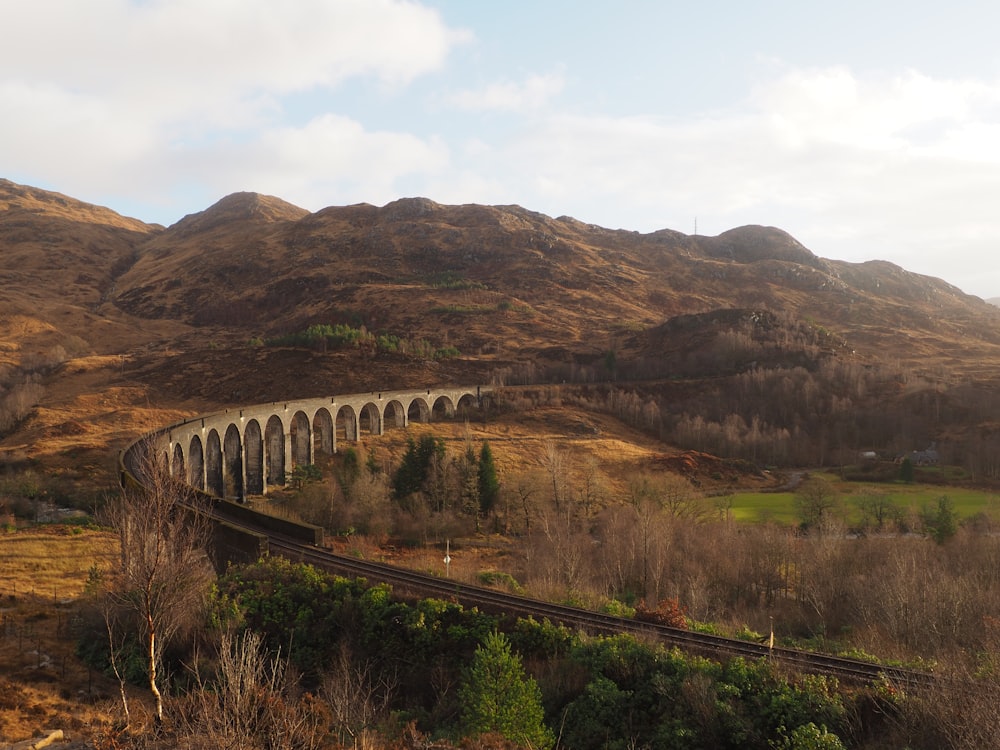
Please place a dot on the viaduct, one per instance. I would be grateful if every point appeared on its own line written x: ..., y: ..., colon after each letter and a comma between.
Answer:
x: 240, y: 452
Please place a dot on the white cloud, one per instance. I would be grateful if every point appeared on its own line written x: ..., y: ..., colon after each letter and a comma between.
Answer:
x: 119, y: 96
x: 334, y: 160
x: 177, y: 67
x: 910, y: 111
x: 199, y: 45
x: 72, y: 138
x: 532, y: 93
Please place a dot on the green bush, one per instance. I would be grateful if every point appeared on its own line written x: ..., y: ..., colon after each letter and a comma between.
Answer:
x: 616, y: 608
x: 301, y: 611
x: 452, y: 280
x: 607, y: 692
x: 500, y: 579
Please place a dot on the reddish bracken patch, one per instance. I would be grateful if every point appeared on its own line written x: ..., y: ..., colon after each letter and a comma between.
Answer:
x: 668, y: 612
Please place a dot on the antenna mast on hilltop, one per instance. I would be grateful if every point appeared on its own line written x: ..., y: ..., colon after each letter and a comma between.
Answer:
x: 696, y: 225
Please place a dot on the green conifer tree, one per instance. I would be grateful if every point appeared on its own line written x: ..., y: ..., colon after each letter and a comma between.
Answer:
x: 468, y: 472
x: 496, y: 696
x: 906, y: 470
x: 489, y: 485
x: 415, y: 468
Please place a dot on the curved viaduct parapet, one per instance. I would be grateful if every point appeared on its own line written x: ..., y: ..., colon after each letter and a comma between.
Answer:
x: 243, y: 451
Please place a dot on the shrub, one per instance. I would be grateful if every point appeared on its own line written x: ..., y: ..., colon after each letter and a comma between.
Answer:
x: 668, y: 612
x: 616, y: 608
x: 452, y: 280
x: 500, y: 579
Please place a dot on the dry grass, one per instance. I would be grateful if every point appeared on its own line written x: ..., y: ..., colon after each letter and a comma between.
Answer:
x: 51, y: 562
x: 43, y: 572
x: 519, y: 442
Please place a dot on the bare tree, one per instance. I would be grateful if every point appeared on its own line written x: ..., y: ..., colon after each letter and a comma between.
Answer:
x: 817, y: 504
x: 617, y: 554
x: 117, y: 638
x: 247, y: 706
x: 357, y: 698
x: 592, y: 490
x: 373, y: 506
x: 521, y: 497
x: 679, y: 498
x: 657, y: 503
x: 237, y: 707
x: 878, y: 511
x: 562, y: 549
x: 163, y: 571
x: 556, y: 466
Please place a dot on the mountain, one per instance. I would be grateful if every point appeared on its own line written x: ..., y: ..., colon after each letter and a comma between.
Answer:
x: 486, y: 278
x: 61, y: 259
x: 141, y: 324
x: 502, y: 278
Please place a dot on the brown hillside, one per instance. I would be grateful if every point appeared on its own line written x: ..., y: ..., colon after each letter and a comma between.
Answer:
x: 61, y: 261
x: 149, y: 324
x: 500, y: 278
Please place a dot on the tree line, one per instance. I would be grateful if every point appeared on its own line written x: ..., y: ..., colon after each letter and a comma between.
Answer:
x: 822, y: 413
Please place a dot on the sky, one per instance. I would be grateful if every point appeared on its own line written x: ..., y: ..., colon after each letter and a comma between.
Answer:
x: 866, y: 130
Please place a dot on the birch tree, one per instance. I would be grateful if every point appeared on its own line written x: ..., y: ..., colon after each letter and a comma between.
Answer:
x: 163, y: 572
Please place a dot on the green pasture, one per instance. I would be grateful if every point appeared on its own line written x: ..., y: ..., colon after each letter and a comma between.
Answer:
x: 776, y: 507
x: 779, y: 507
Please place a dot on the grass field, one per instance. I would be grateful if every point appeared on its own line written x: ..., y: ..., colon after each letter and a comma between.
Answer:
x: 779, y: 507
x: 52, y: 561
x: 43, y: 572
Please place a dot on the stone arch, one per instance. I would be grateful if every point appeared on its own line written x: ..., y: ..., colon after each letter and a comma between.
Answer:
x: 301, y: 439
x: 232, y: 449
x: 418, y: 411
x: 214, y: 482
x: 394, y: 414
x: 253, y: 452
x: 196, y: 464
x: 442, y: 409
x: 347, y: 424
x: 274, y: 451
x: 177, y: 464
x: 370, y: 420
x: 324, y: 436
x: 467, y: 405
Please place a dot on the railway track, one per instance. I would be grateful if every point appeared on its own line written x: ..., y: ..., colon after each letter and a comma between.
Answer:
x: 407, y: 582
